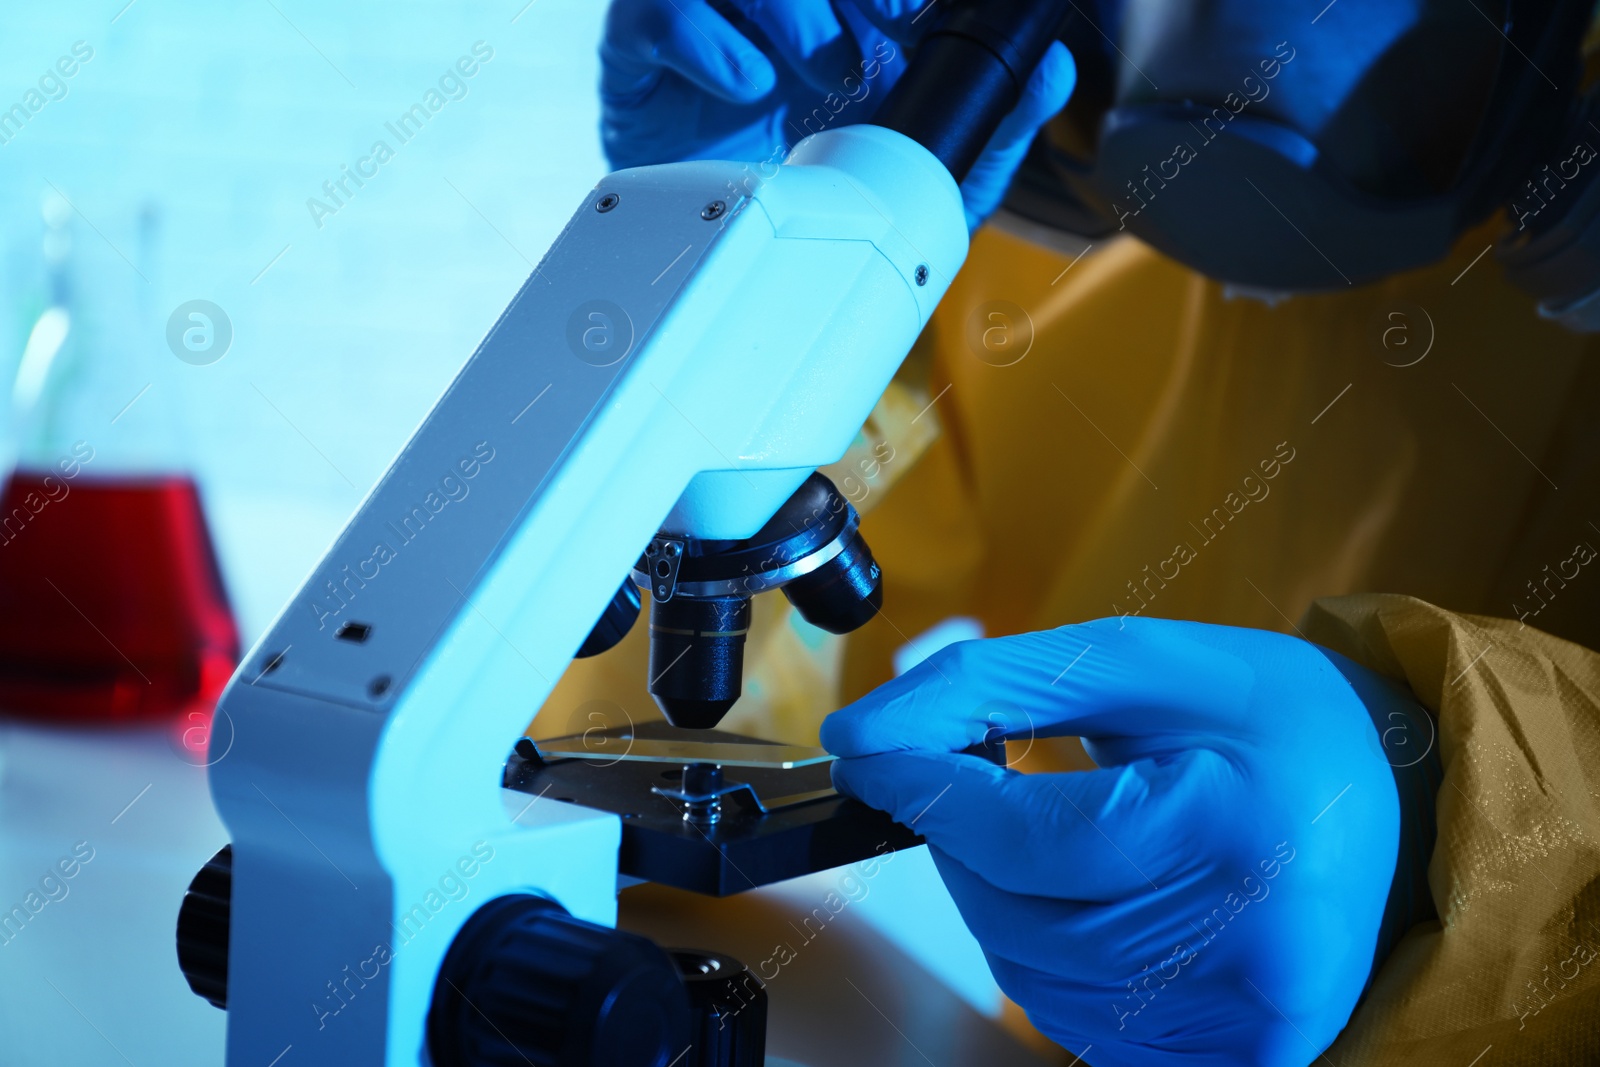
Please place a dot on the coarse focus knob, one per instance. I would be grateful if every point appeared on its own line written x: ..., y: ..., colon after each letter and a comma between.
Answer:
x: 203, y: 929
x: 526, y: 983
x: 730, y: 1009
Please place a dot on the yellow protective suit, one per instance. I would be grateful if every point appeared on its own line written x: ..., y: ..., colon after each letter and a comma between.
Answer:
x: 1511, y: 969
x: 1163, y: 449
x: 1125, y: 438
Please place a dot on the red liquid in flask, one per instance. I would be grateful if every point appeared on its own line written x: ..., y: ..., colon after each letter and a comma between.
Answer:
x: 111, y: 602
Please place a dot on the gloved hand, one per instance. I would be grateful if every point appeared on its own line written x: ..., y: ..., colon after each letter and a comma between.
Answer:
x: 1216, y: 892
x: 680, y: 80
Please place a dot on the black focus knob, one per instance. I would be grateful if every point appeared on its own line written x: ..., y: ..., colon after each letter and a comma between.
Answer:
x: 526, y: 983
x: 203, y: 929
x: 730, y: 1010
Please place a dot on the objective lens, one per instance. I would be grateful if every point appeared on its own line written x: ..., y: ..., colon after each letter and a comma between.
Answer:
x: 697, y: 657
x: 614, y: 622
x: 843, y: 593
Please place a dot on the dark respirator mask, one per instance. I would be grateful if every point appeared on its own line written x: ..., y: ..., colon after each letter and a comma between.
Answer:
x: 1284, y: 150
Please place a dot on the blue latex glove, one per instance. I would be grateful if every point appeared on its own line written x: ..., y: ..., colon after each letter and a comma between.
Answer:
x: 1216, y: 893
x: 680, y: 80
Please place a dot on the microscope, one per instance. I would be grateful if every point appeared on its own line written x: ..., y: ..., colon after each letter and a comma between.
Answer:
x: 651, y: 408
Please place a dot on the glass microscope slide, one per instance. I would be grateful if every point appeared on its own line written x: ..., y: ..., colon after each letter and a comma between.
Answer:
x: 649, y: 750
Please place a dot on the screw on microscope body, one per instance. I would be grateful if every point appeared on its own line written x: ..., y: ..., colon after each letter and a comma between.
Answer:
x: 672, y: 548
x: 922, y: 274
x: 607, y: 202
x: 713, y: 211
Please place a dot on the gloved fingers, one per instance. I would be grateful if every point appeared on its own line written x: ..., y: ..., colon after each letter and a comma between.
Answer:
x: 1096, y: 946
x: 1059, y: 936
x: 1070, y: 1004
x: 882, y: 54
x: 1141, y: 679
x: 902, y: 21
x: 1088, y: 836
x: 1082, y: 972
x: 643, y: 38
x: 1065, y: 1010
x: 809, y: 36
x: 1046, y: 93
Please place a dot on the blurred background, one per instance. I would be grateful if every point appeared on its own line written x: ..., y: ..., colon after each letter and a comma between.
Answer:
x: 188, y: 147
x: 174, y: 164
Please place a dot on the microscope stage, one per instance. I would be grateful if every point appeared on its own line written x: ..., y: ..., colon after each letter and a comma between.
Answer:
x: 806, y: 827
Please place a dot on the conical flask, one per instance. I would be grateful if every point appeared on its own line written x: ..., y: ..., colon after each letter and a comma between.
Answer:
x: 112, y: 605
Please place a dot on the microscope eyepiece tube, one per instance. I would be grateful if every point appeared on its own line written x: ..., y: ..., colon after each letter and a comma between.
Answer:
x: 967, y: 74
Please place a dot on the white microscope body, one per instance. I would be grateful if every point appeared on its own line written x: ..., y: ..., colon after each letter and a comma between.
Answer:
x: 691, y: 348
